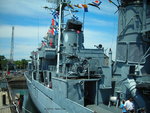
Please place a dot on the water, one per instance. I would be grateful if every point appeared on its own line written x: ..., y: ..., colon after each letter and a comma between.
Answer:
x: 27, y: 106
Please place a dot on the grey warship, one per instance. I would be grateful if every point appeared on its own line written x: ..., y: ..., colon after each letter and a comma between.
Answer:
x: 65, y: 77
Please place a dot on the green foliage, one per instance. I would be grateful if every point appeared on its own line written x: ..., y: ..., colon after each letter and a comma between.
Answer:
x: 3, y: 62
x: 21, y: 64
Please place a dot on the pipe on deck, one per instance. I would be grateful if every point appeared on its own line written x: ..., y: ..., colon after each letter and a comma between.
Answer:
x: 131, y: 86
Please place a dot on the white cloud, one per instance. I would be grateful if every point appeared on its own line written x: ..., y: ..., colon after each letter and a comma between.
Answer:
x: 93, y: 37
x: 23, y: 7
x: 27, y: 33
x: 33, y: 8
x: 5, y: 52
x: 23, y: 49
x: 23, y: 31
x: 98, y: 22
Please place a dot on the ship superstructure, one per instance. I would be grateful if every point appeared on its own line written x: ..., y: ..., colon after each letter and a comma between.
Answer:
x: 65, y: 77
x: 133, y: 51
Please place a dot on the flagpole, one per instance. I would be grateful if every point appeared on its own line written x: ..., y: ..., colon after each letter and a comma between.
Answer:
x: 113, y: 3
x: 59, y: 36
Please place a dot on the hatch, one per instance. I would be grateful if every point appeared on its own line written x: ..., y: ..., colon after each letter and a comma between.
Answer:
x: 89, y: 92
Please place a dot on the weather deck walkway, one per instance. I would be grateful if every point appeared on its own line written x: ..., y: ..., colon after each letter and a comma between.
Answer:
x: 104, y: 109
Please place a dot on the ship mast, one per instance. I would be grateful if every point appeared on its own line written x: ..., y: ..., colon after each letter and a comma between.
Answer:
x: 59, y: 4
x: 59, y: 36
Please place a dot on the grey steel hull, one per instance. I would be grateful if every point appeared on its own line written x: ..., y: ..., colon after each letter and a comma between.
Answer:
x: 46, y: 100
x: 43, y: 102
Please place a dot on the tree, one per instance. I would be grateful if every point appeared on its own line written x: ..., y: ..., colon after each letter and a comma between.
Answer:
x: 3, y: 62
x: 21, y: 64
x: 18, y: 64
x: 24, y: 63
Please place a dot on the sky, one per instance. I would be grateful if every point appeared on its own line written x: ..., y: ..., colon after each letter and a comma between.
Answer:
x: 32, y: 21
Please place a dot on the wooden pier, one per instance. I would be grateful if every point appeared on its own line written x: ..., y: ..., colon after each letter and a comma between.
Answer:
x: 17, y: 82
x: 4, y: 102
x: 9, y: 100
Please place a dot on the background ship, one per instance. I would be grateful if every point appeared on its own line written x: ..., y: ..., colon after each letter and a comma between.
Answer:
x: 65, y: 77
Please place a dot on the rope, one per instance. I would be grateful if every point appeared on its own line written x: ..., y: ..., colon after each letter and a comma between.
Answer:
x: 11, y: 98
x: 26, y: 110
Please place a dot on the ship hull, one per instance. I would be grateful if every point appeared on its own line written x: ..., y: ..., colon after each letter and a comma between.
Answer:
x: 43, y: 102
x: 48, y: 100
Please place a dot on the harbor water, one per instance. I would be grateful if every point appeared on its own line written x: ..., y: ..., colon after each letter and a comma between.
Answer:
x: 28, y: 105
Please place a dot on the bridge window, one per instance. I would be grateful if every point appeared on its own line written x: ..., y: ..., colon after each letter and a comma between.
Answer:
x: 122, y: 52
x: 135, y: 55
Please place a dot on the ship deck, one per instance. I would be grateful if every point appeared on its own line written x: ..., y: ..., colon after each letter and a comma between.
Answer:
x: 104, y: 109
